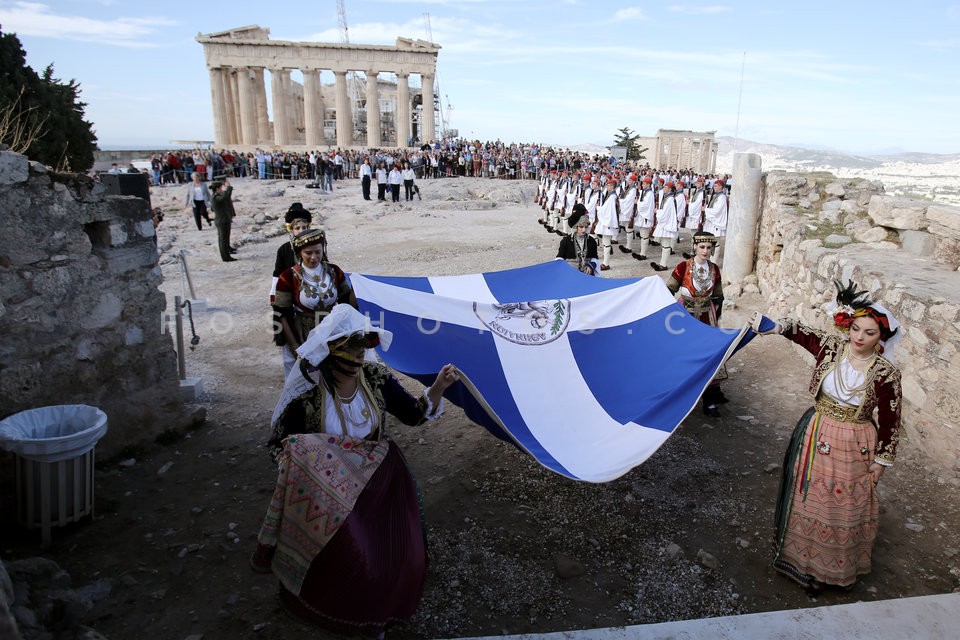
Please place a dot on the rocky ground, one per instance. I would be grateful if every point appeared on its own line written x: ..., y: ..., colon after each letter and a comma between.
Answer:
x: 514, y: 548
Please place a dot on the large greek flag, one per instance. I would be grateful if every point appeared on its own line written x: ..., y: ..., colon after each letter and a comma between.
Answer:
x: 588, y: 375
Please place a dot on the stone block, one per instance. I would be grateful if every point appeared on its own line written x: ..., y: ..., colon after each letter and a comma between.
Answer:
x: 14, y: 168
x: 835, y: 240
x: 835, y: 189
x: 913, y: 392
x: 118, y: 235
x: 919, y: 243
x: 873, y: 234
x: 883, y: 245
x: 105, y: 312
x: 947, y: 216
x: 948, y: 252
x: 898, y: 213
x: 130, y: 258
x: 946, y: 312
x: 851, y: 206
x: 190, y: 389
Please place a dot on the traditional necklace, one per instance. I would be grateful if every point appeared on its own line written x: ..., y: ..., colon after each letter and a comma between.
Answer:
x: 315, y: 282
x: 845, y: 389
x: 862, y: 359
x: 348, y: 412
x: 347, y: 399
x: 701, y: 277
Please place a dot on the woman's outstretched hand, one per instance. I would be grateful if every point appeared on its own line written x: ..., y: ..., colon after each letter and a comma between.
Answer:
x: 447, y: 376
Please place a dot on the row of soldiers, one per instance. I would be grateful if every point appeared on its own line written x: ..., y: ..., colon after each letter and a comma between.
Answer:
x: 653, y: 208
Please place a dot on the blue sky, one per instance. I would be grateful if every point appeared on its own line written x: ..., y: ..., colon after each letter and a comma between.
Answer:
x: 854, y: 76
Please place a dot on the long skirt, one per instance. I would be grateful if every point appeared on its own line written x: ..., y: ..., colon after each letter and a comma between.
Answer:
x: 827, y: 509
x: 344, y: 534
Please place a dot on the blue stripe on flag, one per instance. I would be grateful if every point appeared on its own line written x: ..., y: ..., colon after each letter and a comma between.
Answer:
x: 547, y: 281
x: 659, y: 358
x: 416, y: 284
x: 422, y: 350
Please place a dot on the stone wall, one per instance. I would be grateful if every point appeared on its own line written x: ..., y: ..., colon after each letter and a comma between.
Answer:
x: 80, y: 311
x: 815, y: 229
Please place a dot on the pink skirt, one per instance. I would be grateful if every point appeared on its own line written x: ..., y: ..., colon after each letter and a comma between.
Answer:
x: 827, y: 512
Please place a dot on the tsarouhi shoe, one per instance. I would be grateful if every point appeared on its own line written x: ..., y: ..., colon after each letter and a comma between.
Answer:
x: 638, y: 256
x: 624, y: 249
x: 658, y: 267
x: 604, y: 267
x: 654, y: 243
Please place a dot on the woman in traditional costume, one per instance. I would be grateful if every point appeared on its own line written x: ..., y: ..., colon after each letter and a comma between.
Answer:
x: 306, y: 292
x: 579, y: 248
x: 343, y: 532
x: 696, y: 283
x: 827, y: 509
x: 296, y: 221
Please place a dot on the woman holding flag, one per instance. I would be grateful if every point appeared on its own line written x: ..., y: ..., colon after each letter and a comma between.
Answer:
x: 827, y: 510
x: 343, y: 532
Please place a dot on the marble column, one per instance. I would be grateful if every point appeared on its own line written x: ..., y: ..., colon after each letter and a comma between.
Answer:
x: 278, y: 87
x: 260, y: 94
x: 235, y: 92
x: 299, y: 124
x: 743, y: 216
x: 216, y: 91
x: 248, y: 106
x: 312, y: 107
x: 344, y: 117
x: 403, y: 108
x: 373, y: 109
x: 428, y: 122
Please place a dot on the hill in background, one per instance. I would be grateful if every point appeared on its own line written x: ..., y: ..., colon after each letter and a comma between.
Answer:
x: 918, y: 175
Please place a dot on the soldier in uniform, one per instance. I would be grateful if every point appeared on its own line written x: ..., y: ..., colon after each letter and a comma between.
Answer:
x: 668, y: 225
x: 607, y: 223
x: 628, y: 206
x: 715, y: 216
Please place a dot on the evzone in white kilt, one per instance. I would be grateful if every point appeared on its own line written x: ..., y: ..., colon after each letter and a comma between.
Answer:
x: 646, y: 214
x: 607, y: 224
x: 668, y: 226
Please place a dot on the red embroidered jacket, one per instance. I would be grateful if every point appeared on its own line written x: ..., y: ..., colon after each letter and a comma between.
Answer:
x: 882, y: 391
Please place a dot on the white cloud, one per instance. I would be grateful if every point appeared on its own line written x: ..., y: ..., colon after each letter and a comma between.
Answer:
x: 679, y: 8
x: 36, y: 19
x: 948, y: 43
x: 630, y: 13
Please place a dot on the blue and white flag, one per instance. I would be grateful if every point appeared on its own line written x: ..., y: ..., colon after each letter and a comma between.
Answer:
x: 588, y: 375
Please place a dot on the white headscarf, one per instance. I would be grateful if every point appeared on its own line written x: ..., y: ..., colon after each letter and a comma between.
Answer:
x: 890, y: 344
x: 342, y: 321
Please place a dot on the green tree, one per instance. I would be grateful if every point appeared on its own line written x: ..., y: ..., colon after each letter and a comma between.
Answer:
x: 43, y: 116
x: 627, y: 138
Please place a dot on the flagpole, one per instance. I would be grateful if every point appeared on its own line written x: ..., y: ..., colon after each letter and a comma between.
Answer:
x: 736, y: 131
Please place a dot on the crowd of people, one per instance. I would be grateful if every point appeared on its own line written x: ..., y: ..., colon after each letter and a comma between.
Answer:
x: 329, y: 437
x: 449, y: 158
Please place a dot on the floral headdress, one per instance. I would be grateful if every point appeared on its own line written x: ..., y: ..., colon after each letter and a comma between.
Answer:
x: 853, y: 304
x: 850, y: 304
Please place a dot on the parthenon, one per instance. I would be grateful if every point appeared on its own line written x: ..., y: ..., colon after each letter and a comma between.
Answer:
x: 359, y: 116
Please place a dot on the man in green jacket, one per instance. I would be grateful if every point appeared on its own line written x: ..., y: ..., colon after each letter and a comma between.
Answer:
x: 223, y: 213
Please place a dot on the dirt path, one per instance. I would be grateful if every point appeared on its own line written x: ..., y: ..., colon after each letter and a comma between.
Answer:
x: 501, y: 529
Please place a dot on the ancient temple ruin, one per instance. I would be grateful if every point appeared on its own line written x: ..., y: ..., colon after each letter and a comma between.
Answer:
x: 678, y: 148
x: 354, y: 110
